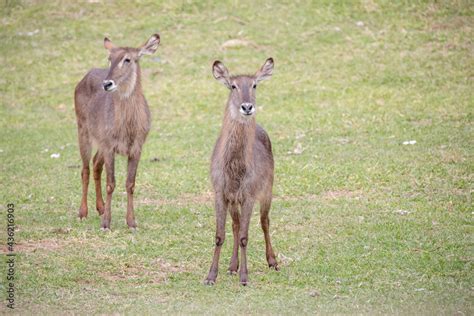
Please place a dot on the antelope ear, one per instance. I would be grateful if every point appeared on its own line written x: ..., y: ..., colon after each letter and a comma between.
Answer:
x: 221, y: 73
x: 150, y: 46
x: 108, y: 44
x: 266, y: 71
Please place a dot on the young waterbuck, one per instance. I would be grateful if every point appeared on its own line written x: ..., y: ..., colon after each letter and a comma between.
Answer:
x: 113, y: 114
x: 241, y: 169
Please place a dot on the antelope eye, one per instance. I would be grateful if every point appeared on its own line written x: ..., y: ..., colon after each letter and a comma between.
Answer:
x: 127, y: 60
x: 254, y: 86
x: 234, y: 87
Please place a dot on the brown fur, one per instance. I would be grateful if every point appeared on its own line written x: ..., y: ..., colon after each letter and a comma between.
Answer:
x: 117, y: 122
x: 241, y: 170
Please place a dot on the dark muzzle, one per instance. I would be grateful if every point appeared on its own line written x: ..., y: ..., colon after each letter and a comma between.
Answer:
x: 109, y: 85
x: 247, y: 108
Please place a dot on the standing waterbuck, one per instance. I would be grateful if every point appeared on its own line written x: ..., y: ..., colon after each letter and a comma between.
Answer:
x: 113, y: 114
x: 241, y: 169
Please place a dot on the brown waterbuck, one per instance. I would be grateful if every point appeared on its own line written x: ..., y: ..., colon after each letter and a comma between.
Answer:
x: 112, y: 113
x: 241, y: 169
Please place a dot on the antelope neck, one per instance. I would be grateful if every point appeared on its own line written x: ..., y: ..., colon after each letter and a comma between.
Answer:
x: 239, y: 138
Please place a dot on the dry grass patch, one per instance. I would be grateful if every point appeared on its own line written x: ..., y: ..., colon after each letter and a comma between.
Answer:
x: 184, y: 200
x: 36, y: 245
x: 327, y: 195
x: 158, y: 272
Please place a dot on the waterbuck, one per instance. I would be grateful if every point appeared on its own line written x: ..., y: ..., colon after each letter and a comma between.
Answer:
x: 113, y: 114
x: 241, y: 169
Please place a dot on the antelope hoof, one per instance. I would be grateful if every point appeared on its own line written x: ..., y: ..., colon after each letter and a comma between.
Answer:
x: 105, y: 224
x: 131, y: 224
x: 272, y: 264
x: 105, y: 230
x: 100, y: 209
x: 209, y: 282
x: 274, y: 267
x: 82, y: 213
x: 233, y: 266
x: 244, y: 282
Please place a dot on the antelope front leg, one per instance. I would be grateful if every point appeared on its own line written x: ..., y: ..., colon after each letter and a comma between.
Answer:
x: 245, y: 215
x: 130, y: 185
x: 85, y: 150
x: 234, y: 261
x: 265, y: 223
x: 109, y: 170
x: 85, y: 184
x: 221, y: 212
x: 98, y: 164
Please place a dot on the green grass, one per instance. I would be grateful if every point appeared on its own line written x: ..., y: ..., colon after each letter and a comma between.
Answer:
x: 349, y: 95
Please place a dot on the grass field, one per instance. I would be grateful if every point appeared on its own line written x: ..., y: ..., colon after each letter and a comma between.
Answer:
x: 361, y: 222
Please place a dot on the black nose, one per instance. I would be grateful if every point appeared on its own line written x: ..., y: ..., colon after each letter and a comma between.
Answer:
x: 247, y: 107
x: 107, y: 84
